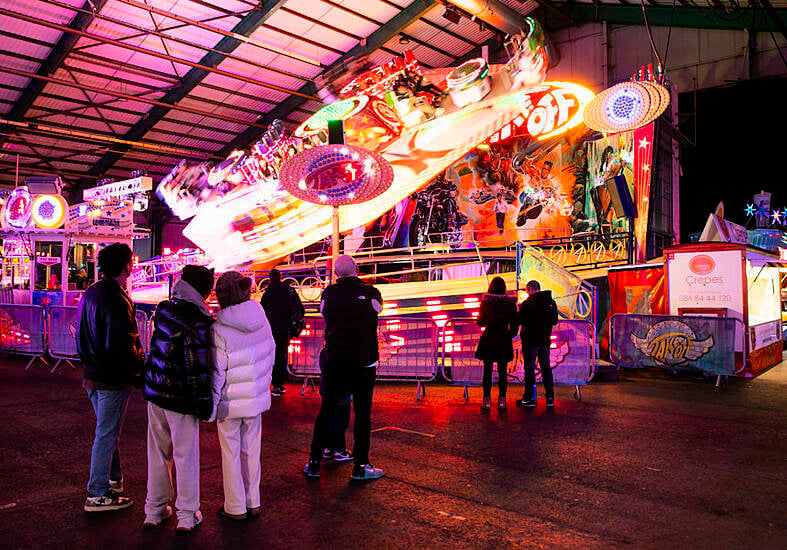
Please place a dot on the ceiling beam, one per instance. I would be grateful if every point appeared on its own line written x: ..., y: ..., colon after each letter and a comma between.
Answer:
x: 193, y: 78
x: 53, y: 61
x: 145, y: 51
x: 661, y: 16
x: 372, y: 42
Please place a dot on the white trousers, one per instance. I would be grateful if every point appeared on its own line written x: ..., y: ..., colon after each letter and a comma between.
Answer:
x: 240, y: 440
x: 172, y: 437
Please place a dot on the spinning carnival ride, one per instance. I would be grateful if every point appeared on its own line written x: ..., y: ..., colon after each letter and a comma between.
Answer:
x: 418, y: 121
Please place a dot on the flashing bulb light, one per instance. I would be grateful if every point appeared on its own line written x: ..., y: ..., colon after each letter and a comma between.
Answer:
x: 344, y: 151
x: 323, y: 197
x: 624, y: 106
x: 350, y: 195
x: 302, y: 184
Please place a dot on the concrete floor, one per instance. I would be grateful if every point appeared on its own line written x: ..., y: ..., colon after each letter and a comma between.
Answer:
x: 648, y: 462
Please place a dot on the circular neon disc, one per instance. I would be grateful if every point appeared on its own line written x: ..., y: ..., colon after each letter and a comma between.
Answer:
x: 336, y: 175
x: 467, y: 73
x: 626, y: 106
x: 49, y: 211
x: 340, y: 110
x: 17, y: 209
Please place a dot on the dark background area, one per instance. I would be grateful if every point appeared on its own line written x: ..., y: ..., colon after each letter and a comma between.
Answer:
x: 740, y: 150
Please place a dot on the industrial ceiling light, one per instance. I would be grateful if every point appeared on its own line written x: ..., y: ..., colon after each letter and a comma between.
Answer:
x: 452, y: 15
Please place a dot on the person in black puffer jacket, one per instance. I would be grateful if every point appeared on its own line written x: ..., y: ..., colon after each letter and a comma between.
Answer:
x: 498, y: 315
x: 179, y: 393
x: 537, y: 316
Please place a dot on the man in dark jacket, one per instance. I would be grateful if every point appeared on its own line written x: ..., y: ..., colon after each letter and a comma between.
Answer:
x: 350, y: 308
x: 111, y: 353
x: 281, y: 303
x: 178, y: 391
x: 537, y: 316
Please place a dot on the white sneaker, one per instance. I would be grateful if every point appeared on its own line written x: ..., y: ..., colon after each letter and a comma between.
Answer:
x: 188, y: 524
x: 365, y: 471
x: 156, y: 520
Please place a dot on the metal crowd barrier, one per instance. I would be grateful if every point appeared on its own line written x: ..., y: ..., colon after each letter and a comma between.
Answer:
x: 63, y: 328
x: 145, y: 330
x: 63, y: 325
x: 408, y: 351
x: 572, y: 354
x: 23, y: 331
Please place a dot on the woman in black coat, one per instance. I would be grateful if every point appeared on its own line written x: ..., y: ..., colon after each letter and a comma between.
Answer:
x: 498, y: 314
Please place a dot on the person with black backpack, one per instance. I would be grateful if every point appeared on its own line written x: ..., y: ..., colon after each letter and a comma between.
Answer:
x: 537, y: 316
x: 285, y: 313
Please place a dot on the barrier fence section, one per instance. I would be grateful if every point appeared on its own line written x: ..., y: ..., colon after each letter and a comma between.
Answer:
x: 23, y: 330
x: 63, y: 328
x: 671, y: 341
x: 63, y: 322
x: 145, y: 330
x: 572, y: 354
x: 408, y: 350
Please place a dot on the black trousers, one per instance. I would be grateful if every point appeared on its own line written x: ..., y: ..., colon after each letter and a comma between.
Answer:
x: 341, y: 421
x: 335, y: 383
x: 340, y: 424
x: 280, y: 359
x: 500, y: 218
x: 502, y: 378
x: 530, y: 355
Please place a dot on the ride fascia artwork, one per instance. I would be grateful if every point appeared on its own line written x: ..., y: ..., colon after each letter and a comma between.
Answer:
x: 417, y: 121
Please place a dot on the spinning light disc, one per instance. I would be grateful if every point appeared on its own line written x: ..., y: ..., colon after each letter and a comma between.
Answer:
x: 626, y: 106
x: 336, y: 175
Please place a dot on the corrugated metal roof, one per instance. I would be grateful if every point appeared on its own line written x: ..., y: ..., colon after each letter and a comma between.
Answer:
x: 108, y: 88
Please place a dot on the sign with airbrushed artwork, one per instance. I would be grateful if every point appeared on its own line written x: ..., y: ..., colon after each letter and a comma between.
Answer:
x: 666, y: 341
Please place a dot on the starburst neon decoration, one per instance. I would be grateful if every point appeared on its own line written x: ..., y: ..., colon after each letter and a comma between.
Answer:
x: 776, y: 215
x: 750, y: 210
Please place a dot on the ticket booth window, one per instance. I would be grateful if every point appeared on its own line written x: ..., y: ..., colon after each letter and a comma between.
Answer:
x: 48, y: 258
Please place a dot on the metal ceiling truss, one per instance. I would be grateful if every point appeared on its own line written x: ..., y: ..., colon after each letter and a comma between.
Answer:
x: 193, y: 78
x: 373, y: 42
x: 56, y: 56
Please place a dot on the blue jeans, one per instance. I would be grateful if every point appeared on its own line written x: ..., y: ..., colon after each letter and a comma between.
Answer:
x: 110, y: 408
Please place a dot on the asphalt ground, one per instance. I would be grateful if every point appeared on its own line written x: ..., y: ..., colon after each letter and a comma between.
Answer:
x: 646, y: 462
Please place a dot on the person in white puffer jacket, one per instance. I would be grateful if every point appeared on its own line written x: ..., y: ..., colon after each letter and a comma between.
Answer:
x: 244, y: 354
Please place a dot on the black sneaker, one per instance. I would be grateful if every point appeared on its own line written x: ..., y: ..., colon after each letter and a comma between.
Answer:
x: 526, y: 403
x: 550, y: 401
x: 110, y: 501
x: 277, y: 392
x: 327, y: 454
x: 312, y: 469
x: 116, y: 486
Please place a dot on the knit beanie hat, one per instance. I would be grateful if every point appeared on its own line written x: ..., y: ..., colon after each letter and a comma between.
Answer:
x: 199, y: 277
x: 345, y: 266
x: 232, y: 288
